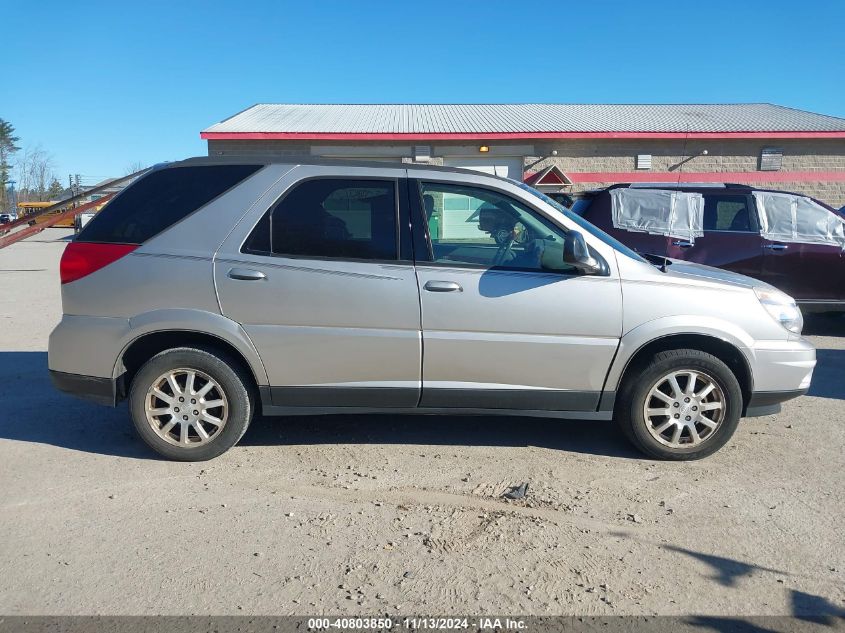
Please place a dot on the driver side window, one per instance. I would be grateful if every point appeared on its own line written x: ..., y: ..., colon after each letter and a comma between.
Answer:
x: 483, y: 228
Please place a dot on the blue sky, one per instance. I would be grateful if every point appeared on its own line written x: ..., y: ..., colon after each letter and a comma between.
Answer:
x: 101, y: 85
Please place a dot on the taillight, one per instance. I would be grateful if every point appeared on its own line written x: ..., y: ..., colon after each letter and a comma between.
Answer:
x: 83, y: 258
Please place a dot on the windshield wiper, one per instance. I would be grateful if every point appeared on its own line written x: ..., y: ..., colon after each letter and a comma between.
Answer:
x: 660, y: 261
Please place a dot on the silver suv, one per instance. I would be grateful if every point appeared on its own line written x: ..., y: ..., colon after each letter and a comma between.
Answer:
x: 211, y: 289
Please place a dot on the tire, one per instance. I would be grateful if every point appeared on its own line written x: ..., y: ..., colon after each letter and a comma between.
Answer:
x: 723, y: 404
x: 231, y: 385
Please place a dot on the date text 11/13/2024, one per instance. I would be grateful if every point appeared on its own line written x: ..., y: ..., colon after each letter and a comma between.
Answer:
x: 417, y: 623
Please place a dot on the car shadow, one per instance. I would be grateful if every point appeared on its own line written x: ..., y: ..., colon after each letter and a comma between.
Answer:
x: 829, y: 324
x: 34, y: 411
x: 830, y: 368
x: 811, y: 607
x: 577, y: 436
x: 828, y: 376
x: 758, y: 623
x: 727, y: 571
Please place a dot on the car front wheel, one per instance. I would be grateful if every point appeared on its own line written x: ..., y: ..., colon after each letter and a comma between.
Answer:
x: 191, y: 404
x: 684, y: 404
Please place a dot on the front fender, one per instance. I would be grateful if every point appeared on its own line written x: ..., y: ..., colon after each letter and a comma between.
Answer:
x: 197, y: 321
x: 635, y: 339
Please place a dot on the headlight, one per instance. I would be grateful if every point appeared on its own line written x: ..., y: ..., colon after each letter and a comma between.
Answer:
x: 782, y: 308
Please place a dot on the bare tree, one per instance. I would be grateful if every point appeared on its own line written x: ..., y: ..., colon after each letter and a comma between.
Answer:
x: 36, y: 172
x: 133, y: 167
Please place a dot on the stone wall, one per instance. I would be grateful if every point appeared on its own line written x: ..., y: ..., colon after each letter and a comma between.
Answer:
x: 669, y: 156
x: 678, y: 155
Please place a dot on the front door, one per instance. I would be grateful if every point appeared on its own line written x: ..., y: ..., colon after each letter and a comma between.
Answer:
x: 320, y: 288
x: 506, y: 324
x: 731, y: 237
x: 806, y: 272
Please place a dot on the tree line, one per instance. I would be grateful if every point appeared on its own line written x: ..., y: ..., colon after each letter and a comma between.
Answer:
x: 28, y: 175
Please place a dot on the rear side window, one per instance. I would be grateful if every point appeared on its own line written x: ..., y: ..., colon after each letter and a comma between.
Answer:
x: 331, y: 218
x: 787, y: 217
x: 159, y: 200
x: 728, y: 213
x: 658, y: 212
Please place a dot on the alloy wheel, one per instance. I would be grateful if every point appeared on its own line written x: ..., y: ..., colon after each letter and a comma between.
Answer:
x: 684, y: 408
x: 186, y: 407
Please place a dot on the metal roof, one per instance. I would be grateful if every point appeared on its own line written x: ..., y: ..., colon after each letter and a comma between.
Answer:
x: 287, y: 120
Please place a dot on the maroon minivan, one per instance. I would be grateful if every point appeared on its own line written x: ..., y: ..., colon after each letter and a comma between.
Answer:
x: 791, y: 241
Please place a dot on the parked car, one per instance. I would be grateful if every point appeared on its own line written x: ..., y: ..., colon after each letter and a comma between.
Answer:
x: 7, y: 218
x: 788, y: 240
x: 212, y: 288
x: 561, y: 197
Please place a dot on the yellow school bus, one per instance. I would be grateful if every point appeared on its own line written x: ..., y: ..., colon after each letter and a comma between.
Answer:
x: 28, y: 208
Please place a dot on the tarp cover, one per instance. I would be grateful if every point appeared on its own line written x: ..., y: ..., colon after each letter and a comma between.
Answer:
x: 659, y: 211
x: 786, y: 217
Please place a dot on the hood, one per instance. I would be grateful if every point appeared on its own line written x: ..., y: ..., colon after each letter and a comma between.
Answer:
x: 680, y: 269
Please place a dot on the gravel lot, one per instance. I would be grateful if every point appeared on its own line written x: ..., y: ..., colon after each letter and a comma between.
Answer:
x: 374, y: 514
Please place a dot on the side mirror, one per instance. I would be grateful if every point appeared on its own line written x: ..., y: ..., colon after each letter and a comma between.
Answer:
x: 577, y: 254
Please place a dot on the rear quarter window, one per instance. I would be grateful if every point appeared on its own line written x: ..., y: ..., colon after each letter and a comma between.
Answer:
x: 161, y: 199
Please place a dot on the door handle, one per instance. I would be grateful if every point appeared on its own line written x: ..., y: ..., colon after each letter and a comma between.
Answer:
x: 776, y: 247
x: 246, y: 274
x: 443, y: 286
x: 682, y: 243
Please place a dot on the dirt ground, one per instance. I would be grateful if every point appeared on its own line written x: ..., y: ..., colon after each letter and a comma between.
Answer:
x: 403, y: 515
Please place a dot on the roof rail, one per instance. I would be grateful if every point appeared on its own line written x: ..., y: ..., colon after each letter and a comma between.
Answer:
x: 678, y: 185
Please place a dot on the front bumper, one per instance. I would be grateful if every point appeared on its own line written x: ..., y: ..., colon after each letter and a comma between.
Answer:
x: 783, y: 366
x: 768, y: 402
x: 99, y: 390
x: 782, y: 371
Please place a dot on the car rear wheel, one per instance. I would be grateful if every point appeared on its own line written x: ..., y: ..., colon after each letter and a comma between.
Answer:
x: 191, y: 404
x: 684, y: 404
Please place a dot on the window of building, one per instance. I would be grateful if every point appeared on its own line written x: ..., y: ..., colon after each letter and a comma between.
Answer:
x: 771, y: 159
x: 332, y: 218
x: 475, y: 226
x: 728, y: 213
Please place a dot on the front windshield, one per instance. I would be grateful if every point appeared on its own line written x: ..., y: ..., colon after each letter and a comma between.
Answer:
x: 581, y: 222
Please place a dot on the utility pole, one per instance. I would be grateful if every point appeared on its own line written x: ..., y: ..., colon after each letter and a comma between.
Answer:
x: 14, y: 208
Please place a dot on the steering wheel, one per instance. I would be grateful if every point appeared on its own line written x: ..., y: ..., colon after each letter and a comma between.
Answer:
x: 503, y: 251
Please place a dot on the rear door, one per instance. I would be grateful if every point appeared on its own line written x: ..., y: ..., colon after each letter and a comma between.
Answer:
x: 731, y: 237
x: 323, y: 282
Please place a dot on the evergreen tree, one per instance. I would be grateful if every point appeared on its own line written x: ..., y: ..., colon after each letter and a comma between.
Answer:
x: 54, y: 192
x: 7, y: 148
